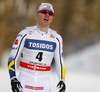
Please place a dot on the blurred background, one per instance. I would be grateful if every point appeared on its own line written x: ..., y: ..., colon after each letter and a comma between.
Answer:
x: 77, y: 21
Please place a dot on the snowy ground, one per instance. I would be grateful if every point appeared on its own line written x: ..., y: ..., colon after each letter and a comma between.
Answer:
x: 77, y: 82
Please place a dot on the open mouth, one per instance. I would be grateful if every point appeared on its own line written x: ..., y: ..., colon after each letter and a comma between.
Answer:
x: 46, y: 19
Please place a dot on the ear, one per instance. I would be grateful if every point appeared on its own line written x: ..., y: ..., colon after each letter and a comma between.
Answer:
x: 36, y: 16
x: 52, y: 18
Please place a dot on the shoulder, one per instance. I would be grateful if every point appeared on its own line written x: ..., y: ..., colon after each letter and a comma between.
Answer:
x: 58, y: 36
x: 30, y: 28
x: 26, y: 30
x: 22, y: 32
x: 52, y: 31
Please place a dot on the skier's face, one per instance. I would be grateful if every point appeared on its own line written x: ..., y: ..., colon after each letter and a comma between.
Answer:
x: 44, y: 17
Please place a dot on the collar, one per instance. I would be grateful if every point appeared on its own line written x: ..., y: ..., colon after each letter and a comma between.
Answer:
x: 41, y: 32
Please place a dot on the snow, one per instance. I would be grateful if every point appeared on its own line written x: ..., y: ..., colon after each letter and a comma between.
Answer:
x: 76, y: 82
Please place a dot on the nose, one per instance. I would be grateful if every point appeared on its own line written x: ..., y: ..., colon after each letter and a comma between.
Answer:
x: 47, y: 14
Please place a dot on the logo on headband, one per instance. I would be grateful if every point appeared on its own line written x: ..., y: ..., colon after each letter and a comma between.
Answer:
x: 48, y: 6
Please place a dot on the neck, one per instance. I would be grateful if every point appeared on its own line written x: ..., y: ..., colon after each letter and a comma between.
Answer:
x: 43, y: 29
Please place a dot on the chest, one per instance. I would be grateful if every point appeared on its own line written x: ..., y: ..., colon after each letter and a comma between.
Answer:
x: 35, y: 41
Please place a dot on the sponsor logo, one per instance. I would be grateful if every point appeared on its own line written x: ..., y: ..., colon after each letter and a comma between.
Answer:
x: 16, y: 42
x: 48, y: 6
x: 20, y: 35
x: 52, y: 36
x: 34, y: 88
x: 37, y: 63
x: 14, y: 48
x: 40, y: 45
x: 30, y: 32
x: 34, y: 67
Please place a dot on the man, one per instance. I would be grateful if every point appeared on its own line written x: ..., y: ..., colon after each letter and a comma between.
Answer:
x: 36, y: 46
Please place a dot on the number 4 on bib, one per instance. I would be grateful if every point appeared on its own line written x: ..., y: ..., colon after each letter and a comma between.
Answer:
x: 39, y: 56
